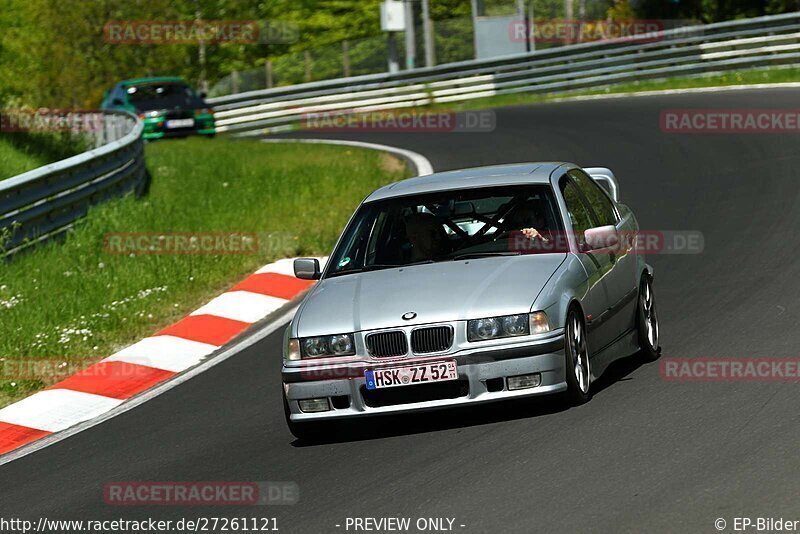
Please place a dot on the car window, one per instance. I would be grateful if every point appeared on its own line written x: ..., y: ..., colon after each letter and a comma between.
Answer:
x: 155, y: 96
x: 118, y: 93
x: 446, y: 225
x: 579, y: 214
x: 598, y: 200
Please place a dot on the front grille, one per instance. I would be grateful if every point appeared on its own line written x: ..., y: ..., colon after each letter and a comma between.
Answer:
x: 387, y: 344
x: 433, y: 339
x: 378, y: 398
x: 179, y: 114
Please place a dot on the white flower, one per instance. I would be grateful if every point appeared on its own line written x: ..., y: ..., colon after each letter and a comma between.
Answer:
x: 101, y: 265
x: 11, y: 302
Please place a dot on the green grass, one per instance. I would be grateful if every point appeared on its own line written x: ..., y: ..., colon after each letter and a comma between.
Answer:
x: 13, y: 161
x: 739, y: 77
x: 22, y: 152
x: 75, y: 302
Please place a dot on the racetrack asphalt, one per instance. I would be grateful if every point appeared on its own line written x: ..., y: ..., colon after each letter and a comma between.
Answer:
x: 644, y: 455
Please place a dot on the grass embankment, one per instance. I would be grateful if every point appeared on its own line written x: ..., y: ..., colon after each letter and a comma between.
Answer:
x: 739, y: 77
x: 75, y: 302
x: 22, y: 152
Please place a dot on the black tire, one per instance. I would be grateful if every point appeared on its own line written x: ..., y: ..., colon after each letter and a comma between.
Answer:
x: 647, y: 321
x: 577, y: 365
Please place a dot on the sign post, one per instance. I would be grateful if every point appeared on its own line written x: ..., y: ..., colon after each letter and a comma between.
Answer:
x: 393, y: 20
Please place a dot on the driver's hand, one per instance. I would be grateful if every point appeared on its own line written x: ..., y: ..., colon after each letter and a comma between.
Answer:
x: 532, y: 233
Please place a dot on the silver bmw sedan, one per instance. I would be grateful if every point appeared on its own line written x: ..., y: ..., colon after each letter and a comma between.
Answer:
x: 470, y: 286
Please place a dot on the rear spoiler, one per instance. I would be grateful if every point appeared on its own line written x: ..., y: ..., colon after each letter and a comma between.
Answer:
x: 606, y: 178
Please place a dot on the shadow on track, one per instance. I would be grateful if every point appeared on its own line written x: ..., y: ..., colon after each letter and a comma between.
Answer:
x: 377, y: 427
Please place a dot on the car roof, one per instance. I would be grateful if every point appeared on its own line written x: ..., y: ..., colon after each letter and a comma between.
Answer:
x: 152, y: 79
x: 512, y: 174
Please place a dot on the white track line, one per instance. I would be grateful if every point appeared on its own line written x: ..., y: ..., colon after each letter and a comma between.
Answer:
x: 284, y: 267
x: 421, y: 163
x: 688, y: 90
x: 242, y: 306
x: 54, y: 410
x: 169, y: 353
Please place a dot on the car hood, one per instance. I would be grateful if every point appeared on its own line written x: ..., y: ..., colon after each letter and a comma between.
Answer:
x: 436, y: 292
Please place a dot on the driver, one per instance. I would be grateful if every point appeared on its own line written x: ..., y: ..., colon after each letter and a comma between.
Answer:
x: 426, y: 235
x: 528, y: 218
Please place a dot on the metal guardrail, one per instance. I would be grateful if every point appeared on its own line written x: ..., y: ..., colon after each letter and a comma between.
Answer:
x: 755, y: 42
x: 45, y: 202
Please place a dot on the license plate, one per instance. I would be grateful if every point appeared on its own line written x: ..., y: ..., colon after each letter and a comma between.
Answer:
x: 412, y: 374
x: 180, y: 123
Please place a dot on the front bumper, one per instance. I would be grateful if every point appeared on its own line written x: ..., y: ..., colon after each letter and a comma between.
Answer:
x: 154, y: 128
x: 482, y: 374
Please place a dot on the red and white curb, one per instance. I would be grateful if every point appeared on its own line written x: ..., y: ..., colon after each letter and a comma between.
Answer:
x: 111, y: 382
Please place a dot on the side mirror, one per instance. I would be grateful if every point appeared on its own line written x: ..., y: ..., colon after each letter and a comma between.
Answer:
x: 606, y: 179
x: 307, y: 268
x: 601, y: 237
x: 203, y: 94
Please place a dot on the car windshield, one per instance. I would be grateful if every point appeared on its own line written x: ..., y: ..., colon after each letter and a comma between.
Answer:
x: 446, y: 226
x: 155, y: 96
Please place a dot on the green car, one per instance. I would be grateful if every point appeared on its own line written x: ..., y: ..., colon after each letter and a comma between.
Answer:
x: 168, y: 106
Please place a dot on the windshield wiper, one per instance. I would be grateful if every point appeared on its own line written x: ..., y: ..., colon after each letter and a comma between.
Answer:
x: 475, y: 255
x: 420, y: 262
x: 378, y: 267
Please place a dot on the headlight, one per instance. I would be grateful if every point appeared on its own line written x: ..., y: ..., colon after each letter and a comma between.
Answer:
x: 483, y: 329
x: 336, y: 345
x: 507, y: 326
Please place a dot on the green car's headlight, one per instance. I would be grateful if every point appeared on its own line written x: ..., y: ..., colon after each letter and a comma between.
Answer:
x: 315, y: 347
x: 521, y: 324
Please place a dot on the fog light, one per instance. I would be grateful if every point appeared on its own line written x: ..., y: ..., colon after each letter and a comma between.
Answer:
x: 315, y: 405
x: 524, y: 381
